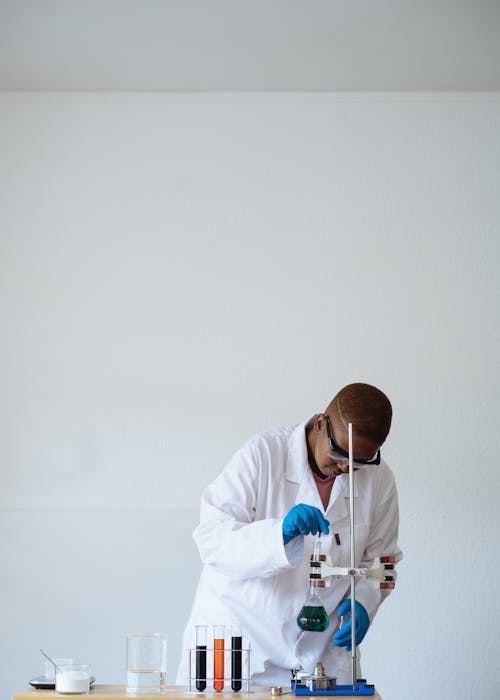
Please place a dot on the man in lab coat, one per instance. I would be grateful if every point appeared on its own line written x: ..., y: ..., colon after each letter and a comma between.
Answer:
x: 255, y: 544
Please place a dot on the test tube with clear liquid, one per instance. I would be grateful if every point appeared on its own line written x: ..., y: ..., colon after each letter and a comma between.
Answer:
x: 219, y: 632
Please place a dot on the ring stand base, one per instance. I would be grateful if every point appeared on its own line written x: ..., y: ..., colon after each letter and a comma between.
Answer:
x: 361, y: 688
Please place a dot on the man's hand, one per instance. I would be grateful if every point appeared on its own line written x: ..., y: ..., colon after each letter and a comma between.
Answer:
x: 303, y: 520
x: 342, y: 637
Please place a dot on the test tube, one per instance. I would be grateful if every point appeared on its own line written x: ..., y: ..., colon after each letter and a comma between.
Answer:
x: 218, y: 658
x: 201, y: 657
x: 236, y: 656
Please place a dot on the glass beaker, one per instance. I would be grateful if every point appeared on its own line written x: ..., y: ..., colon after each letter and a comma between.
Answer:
x: 73, y: 679
x: 146, y: 662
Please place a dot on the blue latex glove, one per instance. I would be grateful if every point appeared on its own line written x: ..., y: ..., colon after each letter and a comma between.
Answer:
x: 342, y: 637
x: 303, y: 520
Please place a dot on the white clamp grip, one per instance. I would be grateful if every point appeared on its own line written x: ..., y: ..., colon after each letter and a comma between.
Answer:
x: 323, y: 572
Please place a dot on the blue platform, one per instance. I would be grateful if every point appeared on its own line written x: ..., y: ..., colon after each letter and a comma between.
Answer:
x: 361, y: 688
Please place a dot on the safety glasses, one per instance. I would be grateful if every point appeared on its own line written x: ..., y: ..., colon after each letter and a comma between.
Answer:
x: 339, y: 455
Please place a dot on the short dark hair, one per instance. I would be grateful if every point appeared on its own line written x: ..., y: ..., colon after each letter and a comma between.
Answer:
x: 366, y: 407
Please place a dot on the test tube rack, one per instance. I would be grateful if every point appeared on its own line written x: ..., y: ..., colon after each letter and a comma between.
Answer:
x: 237, y: 680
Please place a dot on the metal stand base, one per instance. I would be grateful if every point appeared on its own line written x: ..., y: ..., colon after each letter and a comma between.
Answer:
x: 360, y: 688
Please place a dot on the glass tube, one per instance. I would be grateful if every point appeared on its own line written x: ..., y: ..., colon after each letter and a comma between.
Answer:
x: 317, y: 548
x: 201, y: 657
x: 236, y: 646
x: 218, y: 658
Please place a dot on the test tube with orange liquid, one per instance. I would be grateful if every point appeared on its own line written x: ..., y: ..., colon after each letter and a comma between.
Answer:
x: 218, y: 658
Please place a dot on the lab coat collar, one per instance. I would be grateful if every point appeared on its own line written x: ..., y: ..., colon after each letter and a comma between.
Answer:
x: 297, y: 460
x: 299, y: 471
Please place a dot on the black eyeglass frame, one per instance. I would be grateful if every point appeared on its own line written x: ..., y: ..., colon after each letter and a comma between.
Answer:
x: 335, y: 448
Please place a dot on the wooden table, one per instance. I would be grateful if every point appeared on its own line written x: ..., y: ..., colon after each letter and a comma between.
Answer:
x: 119, y: 692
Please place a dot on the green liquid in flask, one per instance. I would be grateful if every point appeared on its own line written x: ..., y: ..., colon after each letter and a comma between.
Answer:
x: 313, y: 618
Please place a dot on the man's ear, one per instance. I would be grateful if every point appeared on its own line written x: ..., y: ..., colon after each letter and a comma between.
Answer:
x: 319, y: 422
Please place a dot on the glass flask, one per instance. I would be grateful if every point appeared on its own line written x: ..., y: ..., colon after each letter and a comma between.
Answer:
x: 313, y: 616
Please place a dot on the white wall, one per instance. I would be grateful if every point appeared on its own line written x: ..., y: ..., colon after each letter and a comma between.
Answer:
x: 178, y: 273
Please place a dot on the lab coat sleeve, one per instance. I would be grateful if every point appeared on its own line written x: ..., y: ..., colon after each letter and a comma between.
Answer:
x: 382, y: 541
x: 229, y: 536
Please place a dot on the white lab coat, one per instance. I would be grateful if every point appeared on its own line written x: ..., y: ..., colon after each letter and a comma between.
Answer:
x: 249, y: 576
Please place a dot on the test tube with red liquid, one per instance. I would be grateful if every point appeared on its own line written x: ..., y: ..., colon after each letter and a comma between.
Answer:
x: 218, y: 658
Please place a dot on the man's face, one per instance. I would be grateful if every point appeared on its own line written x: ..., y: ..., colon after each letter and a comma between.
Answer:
x: 330, y: 462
